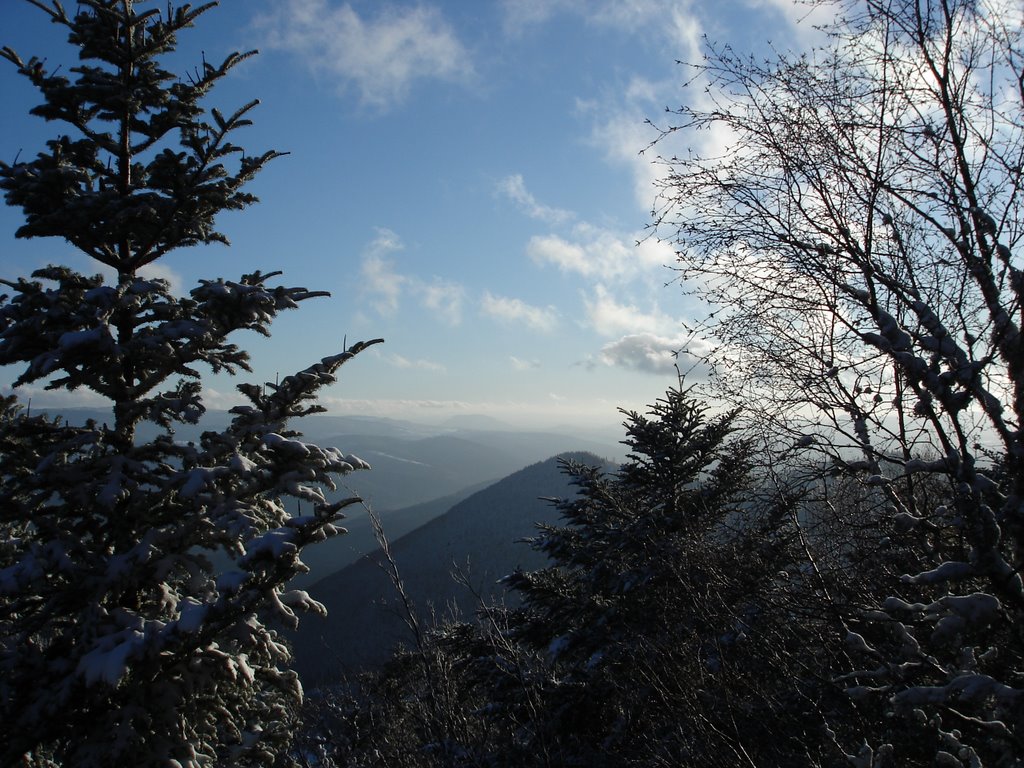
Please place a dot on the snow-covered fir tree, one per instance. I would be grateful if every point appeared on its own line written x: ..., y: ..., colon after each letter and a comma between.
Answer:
x: 121, y: 643
x: 660, y: 621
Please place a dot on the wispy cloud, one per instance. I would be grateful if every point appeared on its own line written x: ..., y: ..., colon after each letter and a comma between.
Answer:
x: 805, y: 21
x: 423, y: 365
x: 444, y: 298
x: 388, y: 287
x: 611, y: 317
x: 659, y: 19
x: 517, y: 311
x: 523, y: 365
x: 599, y: 253
x: 380, y: 56
x: 620, y: 133
x: 379, y: 277
x: 514, y: 188
x: 522, y: 14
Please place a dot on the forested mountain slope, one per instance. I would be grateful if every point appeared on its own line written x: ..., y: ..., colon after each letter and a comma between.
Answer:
x: 480, y: 535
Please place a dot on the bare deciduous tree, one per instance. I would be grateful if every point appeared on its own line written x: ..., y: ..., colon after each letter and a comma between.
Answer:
x: 856, y: 238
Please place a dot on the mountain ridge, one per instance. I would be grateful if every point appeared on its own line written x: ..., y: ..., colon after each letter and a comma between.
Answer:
x: 486, y: 530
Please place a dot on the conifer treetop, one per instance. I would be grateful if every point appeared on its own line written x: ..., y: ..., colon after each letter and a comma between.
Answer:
x: 143, y: 169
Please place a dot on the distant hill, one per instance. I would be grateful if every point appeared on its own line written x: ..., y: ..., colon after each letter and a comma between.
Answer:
x: 406, y: 472
x: 480, y: 535
x: 476, y: 422
x: 334, y: 554
x: 418, y: 471
x: 414, y: 480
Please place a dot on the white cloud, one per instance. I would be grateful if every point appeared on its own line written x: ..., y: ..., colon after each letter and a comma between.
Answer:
x: 658, y: 19
x: 423, y: 365
x: 618, y: 116
x: 514, y: 188
x: 642, y: 352
x: 218, y: 400
x: 641, y: 337
x: 523, y: 365
x: 675, y: 24
x: 381, y: 57
x: 521, y: 14
x: 610, y: 317
x: 805, y: 20
x: 567, y: 256
x: 379, y: 277
x: 444, y: 298
x: 600, y: 253
x: 650, y: 353
x: 622, y: 135
x: 675, y: 29
x: 386, y: 241
x: 516, y: 310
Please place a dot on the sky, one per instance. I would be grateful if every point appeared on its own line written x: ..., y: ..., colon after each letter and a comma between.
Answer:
x: 468, y: 180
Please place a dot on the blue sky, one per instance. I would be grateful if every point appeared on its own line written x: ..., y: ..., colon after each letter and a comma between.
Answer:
x: 464, y: 177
